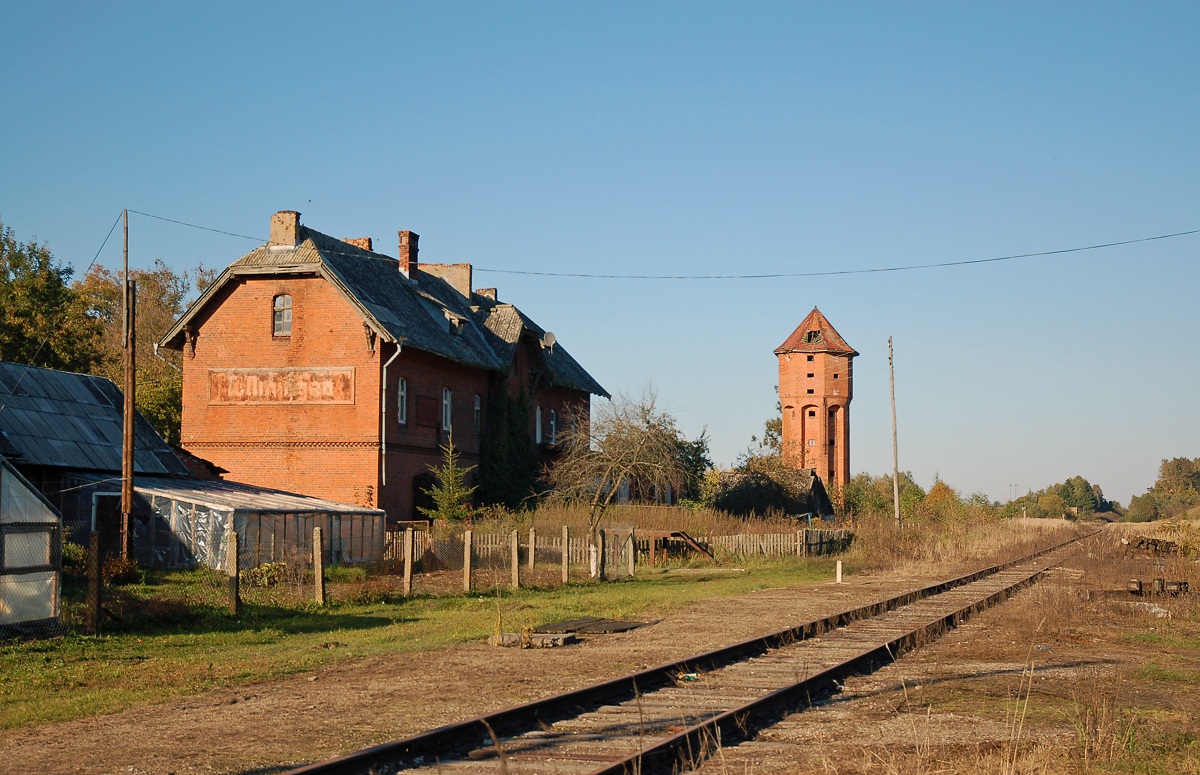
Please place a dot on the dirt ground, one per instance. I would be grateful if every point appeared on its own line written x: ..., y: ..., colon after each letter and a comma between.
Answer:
x: 944, y: 704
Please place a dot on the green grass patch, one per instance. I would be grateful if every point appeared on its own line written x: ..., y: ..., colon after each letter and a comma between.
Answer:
x: 1152, y: 671
x: 175, y: 637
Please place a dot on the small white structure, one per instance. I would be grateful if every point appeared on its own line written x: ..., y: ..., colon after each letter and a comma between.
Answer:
x: 30, y: 555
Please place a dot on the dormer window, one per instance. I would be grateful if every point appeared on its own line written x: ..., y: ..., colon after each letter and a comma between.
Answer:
x: 812, y: 337
x: 283, y: 315
x: 454, y: 324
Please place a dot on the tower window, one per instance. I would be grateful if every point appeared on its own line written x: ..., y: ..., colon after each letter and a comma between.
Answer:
x: 402, y: 401
x: 812, y: 442
x: 835, y: 376
x: 283, y: 315
x: 810, y: 391
x: 810, y: 376
x: 812, y: 412
x: 812, y: 337
x: 810, y: 359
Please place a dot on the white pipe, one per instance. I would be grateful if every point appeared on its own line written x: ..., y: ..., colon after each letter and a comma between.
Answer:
x: 383, y: 422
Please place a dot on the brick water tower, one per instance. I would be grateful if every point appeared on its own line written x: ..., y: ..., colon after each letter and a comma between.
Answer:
x: 816, y: 383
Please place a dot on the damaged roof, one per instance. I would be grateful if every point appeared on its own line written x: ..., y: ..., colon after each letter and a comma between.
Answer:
x: 64, y: 420
x: 816, y: 334
x: 506, y: 324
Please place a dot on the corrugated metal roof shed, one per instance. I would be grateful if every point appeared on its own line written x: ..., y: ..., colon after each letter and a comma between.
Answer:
x: 64, y: 420
x: 242, y: 497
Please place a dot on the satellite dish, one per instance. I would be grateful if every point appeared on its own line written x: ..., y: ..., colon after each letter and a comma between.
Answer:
x: 548, y: 340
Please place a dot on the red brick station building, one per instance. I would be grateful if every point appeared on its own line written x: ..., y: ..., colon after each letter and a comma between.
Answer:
x: 318, y: 366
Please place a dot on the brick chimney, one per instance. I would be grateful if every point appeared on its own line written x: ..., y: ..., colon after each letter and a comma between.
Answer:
x: 285, y: 229
x: 487, y: 293
x: 408, y: 252
x: 358, y: 242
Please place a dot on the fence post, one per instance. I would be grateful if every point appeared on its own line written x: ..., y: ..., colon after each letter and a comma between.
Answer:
x: 632, y: 553
x: 231, y: 568
x: 566, y: 555
x: 514, y: 549
x: 601, y: 551
x: 532, y: 547
x: 95, y: 583
x: 799, y: 543
x: 319, y: 565
x: 467, y: 561
x: 408, y: 560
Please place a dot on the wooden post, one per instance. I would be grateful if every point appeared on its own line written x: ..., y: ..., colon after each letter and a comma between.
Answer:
x: 895, y: 447
x: 653, y: 552
x: 629, y: 561
x: 799, y: 543
x: 408, y: 560
x: 319, y: 565
x: 601, y: 551
x: 839, y: 571
x: 231, y: 568
x: 514, y: 550
x: 566, y: 555
x: 95, y: 583
x: 532, y: 546
x: 467, y: 561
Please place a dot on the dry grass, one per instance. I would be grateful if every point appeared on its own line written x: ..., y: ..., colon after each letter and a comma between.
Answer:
x: 945, y: 546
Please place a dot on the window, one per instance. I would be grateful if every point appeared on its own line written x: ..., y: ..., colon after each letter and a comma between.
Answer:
x: 447, y: 402
x: 835, y: 376
x: 478, y: 414
x: 812, y: 336
x: 810, y: 359
x: 283, y: 315
x: 553, y: 426
x: 537, y: 426
x: 402, y: 401
x: 811, y: 375
x: 812, y: 412
x: 812, y: 442
x: 810, y: 391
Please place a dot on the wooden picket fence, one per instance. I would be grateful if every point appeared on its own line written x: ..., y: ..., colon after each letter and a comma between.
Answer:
x: 493, y: 549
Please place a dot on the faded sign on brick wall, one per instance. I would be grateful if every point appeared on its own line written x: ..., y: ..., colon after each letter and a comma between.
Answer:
x: 281, y: 386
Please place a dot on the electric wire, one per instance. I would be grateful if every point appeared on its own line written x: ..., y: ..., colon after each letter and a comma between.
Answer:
x: 760, y: 276
x: 836, y: 272
x: 46, y: 339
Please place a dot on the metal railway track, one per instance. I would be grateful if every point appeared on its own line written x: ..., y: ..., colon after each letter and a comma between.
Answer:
x: 664, y: 720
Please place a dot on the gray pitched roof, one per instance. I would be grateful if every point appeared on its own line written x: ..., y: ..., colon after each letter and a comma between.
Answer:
x: 64, y: 420
x: 505, y: 324
x: 412, y: 312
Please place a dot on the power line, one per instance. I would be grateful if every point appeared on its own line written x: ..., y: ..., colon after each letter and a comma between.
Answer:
x: 835, y: 272
x: 46, y: 339
x: 195, y: 226
x: 763, y: 276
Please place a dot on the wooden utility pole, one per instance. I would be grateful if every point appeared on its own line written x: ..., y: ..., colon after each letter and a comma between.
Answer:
x: 895, y: 446
x: 128, y: 308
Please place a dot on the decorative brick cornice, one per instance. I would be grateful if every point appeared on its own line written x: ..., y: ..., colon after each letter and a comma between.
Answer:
x: 280, y: 444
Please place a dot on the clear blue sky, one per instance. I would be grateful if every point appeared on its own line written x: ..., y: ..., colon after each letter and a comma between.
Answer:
x: 689, y: 138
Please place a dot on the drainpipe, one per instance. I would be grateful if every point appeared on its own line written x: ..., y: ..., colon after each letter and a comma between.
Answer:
x: 164, y: 360
x: 383, y: 421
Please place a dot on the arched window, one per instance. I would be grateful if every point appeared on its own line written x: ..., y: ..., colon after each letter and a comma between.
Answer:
x: 283, y: 315
x: 402, y: 402
x: 447, y: 403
